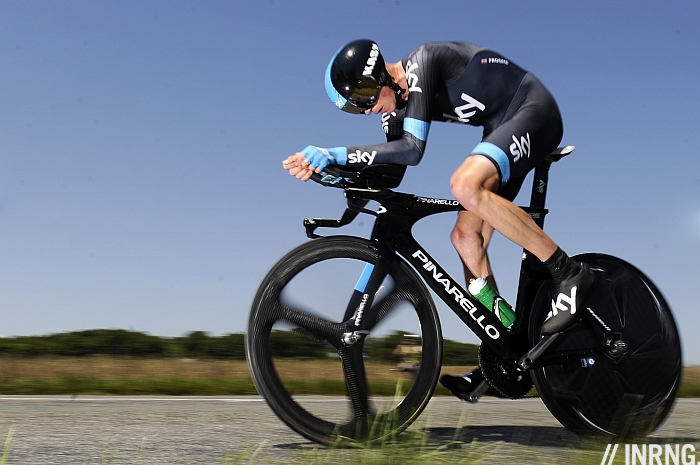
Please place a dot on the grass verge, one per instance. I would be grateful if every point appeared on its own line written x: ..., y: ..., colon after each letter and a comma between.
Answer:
x: 131, y: 376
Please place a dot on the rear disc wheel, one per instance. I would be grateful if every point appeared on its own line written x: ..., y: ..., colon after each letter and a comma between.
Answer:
x: 619, y: 396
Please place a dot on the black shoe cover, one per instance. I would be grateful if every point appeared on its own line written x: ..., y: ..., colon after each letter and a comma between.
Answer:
x: 570, y: 295
x: 463, y: 386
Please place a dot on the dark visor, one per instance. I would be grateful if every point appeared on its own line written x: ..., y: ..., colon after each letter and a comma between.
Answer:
x: 364, y: 96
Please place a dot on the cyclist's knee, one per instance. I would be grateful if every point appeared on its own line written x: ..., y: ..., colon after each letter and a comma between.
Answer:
x: 469, y: 183
x: 469, y: 193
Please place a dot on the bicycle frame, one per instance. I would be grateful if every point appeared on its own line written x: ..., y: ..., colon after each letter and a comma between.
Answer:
x: 392, y: 235
x: 611, y: 395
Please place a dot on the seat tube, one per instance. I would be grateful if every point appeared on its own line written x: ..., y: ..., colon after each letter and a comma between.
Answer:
x: 531, y: 265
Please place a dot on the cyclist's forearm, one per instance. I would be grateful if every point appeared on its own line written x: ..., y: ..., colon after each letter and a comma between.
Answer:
x: 405, y: 151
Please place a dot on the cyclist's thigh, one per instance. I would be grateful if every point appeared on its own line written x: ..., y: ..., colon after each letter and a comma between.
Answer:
x: 531, y: 133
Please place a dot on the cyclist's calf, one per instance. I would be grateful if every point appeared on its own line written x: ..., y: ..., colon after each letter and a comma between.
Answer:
x: 471, y: 237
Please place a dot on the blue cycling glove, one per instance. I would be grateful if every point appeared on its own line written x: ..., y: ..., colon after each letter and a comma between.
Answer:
x: 320, y: 158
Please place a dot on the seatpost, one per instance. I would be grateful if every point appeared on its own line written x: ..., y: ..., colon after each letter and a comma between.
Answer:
x: 539, y: 192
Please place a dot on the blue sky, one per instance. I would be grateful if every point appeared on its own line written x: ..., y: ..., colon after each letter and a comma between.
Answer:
x: 141, y: 143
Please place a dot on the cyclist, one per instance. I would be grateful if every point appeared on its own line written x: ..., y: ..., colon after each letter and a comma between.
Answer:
x: 469, y: 84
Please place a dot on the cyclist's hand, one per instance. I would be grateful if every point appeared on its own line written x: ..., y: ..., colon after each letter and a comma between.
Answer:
x: 320, y: 158
x: 299, y: 166
x: 313, y: 159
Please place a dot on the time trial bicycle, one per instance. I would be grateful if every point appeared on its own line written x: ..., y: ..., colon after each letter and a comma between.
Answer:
x: 615, y: 374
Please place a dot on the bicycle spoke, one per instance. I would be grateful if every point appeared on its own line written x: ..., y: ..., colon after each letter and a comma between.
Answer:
x: 356, y: 381
x: 319, y: 327
x: 382, y: 308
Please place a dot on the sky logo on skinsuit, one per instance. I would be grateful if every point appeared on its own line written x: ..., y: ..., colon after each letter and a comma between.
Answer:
x: 412, y: 77
x: 520, y: 149
x: 463, y: 113
x: 362, y: 157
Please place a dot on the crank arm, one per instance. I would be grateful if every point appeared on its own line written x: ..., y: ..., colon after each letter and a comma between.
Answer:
x: 525, y: 362
x: 479, y: 391
x: 569, y: 357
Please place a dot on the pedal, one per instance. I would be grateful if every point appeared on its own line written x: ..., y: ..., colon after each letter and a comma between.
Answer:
x: 478, y: 392
x: 469, y: 387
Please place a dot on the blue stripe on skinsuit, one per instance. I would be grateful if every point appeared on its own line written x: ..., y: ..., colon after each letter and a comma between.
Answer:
x: 364, y: 277
x: 497, y: 155
x: 418, y: 128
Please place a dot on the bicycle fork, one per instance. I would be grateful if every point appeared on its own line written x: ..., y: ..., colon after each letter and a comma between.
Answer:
x: 357, y: 313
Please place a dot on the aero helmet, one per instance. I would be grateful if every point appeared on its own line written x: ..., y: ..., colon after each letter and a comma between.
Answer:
x: 355, y: 76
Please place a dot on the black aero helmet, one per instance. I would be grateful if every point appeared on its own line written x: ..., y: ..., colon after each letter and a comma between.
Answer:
x: 355, y: 76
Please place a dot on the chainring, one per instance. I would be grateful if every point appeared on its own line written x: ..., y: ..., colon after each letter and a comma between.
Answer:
x: 511, y: 383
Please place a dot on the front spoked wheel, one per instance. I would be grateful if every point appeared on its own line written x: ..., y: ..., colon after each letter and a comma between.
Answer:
x: 624, y: 395
x: 299, y: 343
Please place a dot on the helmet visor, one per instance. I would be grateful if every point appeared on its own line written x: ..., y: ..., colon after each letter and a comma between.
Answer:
x: 364, y: 96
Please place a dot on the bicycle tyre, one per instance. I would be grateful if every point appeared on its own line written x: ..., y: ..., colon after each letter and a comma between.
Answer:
x: 618, y: 397
x: 269, y: 307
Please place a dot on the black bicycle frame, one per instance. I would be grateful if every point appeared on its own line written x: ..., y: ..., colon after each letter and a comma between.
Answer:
x: 392, y: 235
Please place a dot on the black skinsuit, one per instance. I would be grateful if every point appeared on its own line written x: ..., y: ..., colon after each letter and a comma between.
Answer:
x: 465, y: 83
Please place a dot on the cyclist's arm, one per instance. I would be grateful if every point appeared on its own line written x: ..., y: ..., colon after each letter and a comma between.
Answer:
x: 405, y: 145
x: 407, y: 130
x: 408, y: 150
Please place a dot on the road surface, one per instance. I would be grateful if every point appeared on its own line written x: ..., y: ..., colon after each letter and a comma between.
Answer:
x: 207, y: 430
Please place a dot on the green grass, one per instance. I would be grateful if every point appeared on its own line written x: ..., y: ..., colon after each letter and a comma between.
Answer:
x: 411, y: 447
x: 71, y: 385
x: 132, y: 376
x: 89, y: 385
x: 416, y: 446
x: 689, y: 389
x: 6, y: 449
x: 86, y: 385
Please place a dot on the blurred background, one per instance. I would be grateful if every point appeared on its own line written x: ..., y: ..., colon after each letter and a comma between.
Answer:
x: 141, y: 185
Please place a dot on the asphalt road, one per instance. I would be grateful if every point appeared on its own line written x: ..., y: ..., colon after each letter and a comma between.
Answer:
x: 209, y: 430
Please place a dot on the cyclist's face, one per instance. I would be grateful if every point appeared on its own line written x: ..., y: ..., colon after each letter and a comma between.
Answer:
x: 386, y: 102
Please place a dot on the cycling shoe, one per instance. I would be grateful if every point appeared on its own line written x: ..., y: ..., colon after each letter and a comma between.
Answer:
x: 469, y: 386
x: 571, y: 293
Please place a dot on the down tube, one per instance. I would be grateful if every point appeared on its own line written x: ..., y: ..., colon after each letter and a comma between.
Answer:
x: 482, y: 322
